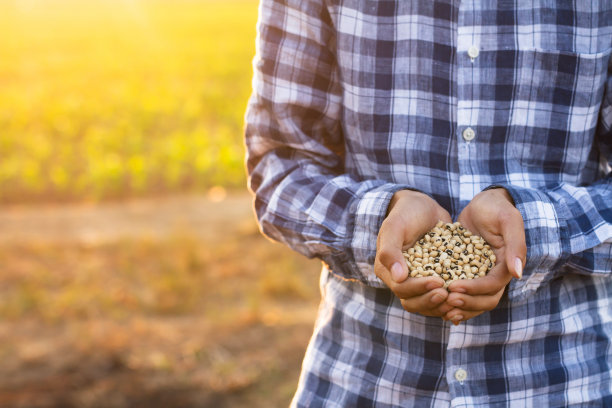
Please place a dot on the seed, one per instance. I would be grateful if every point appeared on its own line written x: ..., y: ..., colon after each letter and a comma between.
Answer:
x: 449, y: 251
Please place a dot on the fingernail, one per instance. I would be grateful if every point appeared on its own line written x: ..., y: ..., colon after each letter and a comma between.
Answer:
x: 459, y: 290
x: 518, y: 267
x: 457, y: 302
x: 436, y: 298
x: 456, y: 319
x: 397, y: 272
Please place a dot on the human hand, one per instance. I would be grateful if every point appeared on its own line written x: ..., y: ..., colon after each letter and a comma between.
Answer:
x: 492, y: 215
x: 410, y: 215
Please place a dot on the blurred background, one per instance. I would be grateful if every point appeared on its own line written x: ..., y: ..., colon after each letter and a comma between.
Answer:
x: 132, y: 273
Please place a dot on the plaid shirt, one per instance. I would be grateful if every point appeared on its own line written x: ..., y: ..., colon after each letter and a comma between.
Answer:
x: 354, y: 100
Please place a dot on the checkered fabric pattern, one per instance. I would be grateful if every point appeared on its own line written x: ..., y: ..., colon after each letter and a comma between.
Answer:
x: 355, y: 100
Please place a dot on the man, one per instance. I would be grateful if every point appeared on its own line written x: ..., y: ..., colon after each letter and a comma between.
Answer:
x: 372, y: 120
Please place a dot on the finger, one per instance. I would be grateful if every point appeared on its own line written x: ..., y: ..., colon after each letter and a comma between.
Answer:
x: 474, y: 303
x: 457, y: 316
x: 413, y: 287
x: 513, y: 232
x: 389, y: 251
x: 427, y: 304
x: 490, y: 284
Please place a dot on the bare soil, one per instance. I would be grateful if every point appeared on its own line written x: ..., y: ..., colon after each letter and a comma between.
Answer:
x: 173, y: 302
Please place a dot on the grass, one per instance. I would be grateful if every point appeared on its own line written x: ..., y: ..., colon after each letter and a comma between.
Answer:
x: 102, y: 100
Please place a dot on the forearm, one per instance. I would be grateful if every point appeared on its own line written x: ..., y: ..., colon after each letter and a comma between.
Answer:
x: 565, y: 226
x: 320, y: 214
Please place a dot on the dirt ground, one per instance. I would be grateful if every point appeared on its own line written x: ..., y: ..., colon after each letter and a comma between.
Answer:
x: 171, y: 302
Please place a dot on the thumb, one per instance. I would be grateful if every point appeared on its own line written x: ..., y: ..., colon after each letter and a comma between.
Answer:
x: 513, y: 232
x: 389, y: 251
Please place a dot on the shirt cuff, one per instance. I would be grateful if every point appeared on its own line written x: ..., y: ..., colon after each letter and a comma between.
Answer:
x: 546, y: 237
x: 369, y: 212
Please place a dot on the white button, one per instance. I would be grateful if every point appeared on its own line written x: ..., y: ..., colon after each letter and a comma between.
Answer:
x: 460, y: 375
x: 473, y: 52
x: 469, y: 134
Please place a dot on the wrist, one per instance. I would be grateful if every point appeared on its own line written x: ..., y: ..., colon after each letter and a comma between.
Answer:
x: 405, y: 195
x: 503, y: 192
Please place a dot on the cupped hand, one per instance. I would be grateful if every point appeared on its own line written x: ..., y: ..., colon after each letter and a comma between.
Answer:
x: 410, y: 215
x: 492, y: 215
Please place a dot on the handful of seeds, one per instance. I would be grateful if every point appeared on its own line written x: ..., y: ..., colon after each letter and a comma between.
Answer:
x: 451, y: 252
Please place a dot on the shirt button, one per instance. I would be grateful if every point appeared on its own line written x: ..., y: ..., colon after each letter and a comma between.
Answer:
x: 469, y: 134
x: 473, y: 52
x: 460, y: 375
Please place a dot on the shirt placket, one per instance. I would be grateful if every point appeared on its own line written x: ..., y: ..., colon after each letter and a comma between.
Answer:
x: 458, y: 370
x: 467, y: 130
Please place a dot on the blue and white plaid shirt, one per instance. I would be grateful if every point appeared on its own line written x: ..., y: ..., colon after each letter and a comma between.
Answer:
x: 354, y: 100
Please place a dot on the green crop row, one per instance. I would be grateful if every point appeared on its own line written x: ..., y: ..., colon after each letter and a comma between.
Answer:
x: 103, y: 99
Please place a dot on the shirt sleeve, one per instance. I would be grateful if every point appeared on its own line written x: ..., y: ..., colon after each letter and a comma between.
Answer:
x: 294, y: 141
x: 568, y: 228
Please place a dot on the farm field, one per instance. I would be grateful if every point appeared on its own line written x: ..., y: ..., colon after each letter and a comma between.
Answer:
x: 132, y: 271
x: 104, y: 313
x: 111, y: 99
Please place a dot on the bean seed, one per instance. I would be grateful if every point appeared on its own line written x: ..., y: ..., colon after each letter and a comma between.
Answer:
x: 451, y: 252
